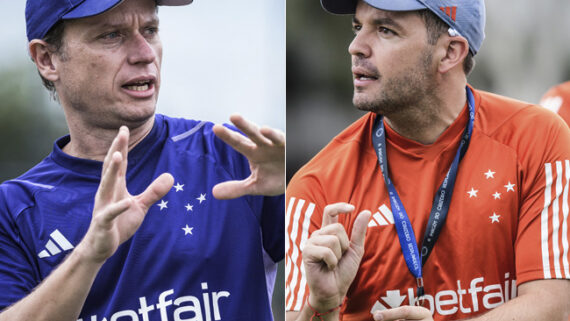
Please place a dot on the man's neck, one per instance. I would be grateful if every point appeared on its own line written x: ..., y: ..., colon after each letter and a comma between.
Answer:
x: 426, y: 122
x: 93, y: 143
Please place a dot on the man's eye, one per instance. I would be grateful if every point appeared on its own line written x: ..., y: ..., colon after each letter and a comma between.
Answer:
x: 151, y: 31
x: 111, y: 35
x: 386, y: 31
x: 356, y: 28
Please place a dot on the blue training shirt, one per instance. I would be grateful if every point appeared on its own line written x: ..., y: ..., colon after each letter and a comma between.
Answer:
x: 193, y: 258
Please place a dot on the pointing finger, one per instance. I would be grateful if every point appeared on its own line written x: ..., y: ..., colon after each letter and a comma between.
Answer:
x: 359, y: 228
x: 331, y: 212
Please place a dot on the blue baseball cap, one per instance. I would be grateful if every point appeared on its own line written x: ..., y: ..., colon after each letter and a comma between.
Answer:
x: 465, y: 17
x: 42, y: 15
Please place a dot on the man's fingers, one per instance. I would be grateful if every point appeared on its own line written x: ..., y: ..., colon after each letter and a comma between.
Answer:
x: 156, y: 190
x: 230, y: 190
x: 320, y: 254
x: 110, y: 177
x: 359, y: 228
x: 112, y: 149
x: 249, y: 129
x: 331, y: 212
x: 329, y: 241
x: 404, y: 313
x: 338, y: 231
x: 236, y: 140
x: 114, y: 210
x: 275, y: 136
x: 123, y: 147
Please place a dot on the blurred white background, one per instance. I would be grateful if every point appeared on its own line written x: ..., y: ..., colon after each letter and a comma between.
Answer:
x: 220, y: 57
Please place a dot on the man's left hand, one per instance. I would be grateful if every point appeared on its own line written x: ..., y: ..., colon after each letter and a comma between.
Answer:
x: 265, y: 150
x: 404, y: 313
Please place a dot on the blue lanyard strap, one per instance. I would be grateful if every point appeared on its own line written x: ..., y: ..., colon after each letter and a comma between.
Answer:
x: 415, y: 259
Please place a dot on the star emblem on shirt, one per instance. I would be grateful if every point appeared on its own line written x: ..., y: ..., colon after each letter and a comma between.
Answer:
x: 497, y: 195
x: 201, y: 198
x: 189, y: 207
x: 510, y: 186
x: 472, y: 192
x: 163, y: 204
x: 179, y: 187
x: 494, y: 218
x: 489, y: 174
x: 187, y: 230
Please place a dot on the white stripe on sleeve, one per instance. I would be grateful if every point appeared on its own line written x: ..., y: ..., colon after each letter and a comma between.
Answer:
x: 565, y: 222
x: 556, y: 221
x: 544, y: 222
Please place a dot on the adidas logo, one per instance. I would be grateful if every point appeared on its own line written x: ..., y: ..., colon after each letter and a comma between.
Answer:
x: 52, y: 247
x: 449, y: 11
x: 384, y: 216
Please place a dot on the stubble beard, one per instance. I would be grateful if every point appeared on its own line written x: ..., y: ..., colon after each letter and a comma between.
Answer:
x: 411, y: 89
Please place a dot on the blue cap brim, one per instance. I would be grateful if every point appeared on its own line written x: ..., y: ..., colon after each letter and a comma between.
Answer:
x: 349, y: 6
x: 91, y: 8
x: 95, y: 7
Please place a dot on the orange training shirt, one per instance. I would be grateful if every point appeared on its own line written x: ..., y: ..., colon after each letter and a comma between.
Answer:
x: 507, y: 223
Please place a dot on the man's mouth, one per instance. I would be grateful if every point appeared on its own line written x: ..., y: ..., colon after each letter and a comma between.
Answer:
x: 363, y: 74
x: 364, y: 77
x: 139, y: 85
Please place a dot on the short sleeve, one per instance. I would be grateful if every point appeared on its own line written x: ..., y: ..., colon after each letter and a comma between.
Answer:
x: 16, y: 271
x: 541, y: 246
x: 305, y: 203
x: 272, y: 218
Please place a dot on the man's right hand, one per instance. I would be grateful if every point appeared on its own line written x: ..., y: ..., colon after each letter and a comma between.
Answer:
x: 331, y: 260
x: 116, y: 217
x: 117, y: 214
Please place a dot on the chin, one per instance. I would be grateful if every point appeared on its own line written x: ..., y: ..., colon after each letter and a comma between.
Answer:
x: 364, y: 104
x: 136, y: 115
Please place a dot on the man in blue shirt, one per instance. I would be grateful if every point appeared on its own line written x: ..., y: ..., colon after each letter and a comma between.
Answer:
x: 118, y: 222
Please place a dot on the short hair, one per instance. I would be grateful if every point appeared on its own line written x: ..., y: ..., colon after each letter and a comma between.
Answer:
x: 435, y: 28
x: 54, y: 39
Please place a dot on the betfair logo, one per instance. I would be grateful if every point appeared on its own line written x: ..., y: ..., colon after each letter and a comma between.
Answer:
x: 477, y: 297
x: 55, y: 245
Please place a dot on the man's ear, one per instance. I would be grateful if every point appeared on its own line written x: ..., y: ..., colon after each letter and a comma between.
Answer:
x: 457, y: 50
x: 44, y: 56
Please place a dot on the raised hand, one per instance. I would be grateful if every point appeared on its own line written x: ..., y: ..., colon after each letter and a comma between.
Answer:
x: 331, y: 260
x: 264, y: 149
x: 117, y: 214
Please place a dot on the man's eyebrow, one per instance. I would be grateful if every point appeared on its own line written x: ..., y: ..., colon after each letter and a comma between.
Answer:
x: 383, y: 21
x: 124, y: 24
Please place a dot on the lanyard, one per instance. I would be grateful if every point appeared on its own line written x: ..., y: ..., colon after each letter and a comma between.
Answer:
x: 440, y: 205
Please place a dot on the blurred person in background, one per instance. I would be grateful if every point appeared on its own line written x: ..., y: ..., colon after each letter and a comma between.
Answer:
x: 557, y: 99
x: 442, y: 195
x: 135, y: 215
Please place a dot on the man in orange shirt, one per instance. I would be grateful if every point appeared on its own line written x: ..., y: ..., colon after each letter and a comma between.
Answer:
x: 442, y: 196
x: 557, y: 99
